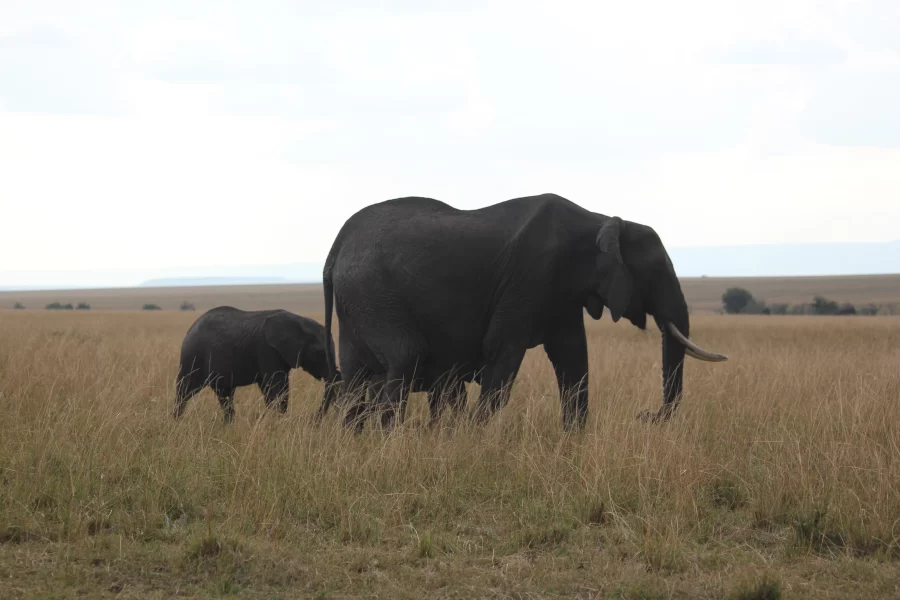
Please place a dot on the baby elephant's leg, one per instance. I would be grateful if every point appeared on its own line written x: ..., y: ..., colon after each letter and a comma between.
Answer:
x: 276, y: 390
x: 226, y: 399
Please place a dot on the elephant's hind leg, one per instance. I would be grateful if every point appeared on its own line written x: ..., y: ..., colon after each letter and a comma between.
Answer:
x: 361, y: 398
x: 181, y: 399
x: 329, y: 395
x: 357, y: 384
x: 392, y: 399
x: 186, y: 387
x: 458, y: 397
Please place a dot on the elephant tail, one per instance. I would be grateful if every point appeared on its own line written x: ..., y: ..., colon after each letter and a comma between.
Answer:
x: 328, y: 289
x: 332, y: 378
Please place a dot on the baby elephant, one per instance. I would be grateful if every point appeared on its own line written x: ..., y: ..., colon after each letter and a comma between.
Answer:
x: 227, y: 348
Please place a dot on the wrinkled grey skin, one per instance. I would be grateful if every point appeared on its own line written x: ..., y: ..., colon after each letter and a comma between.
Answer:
x: 422, y: 288
x: 227, y: 348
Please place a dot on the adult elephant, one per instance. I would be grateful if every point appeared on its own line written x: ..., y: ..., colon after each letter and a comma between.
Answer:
x: 227, y: 348
x: 422, y: 289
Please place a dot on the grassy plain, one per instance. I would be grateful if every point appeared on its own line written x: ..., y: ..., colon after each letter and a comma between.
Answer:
x: 703, y: 294
x: 780, y: 478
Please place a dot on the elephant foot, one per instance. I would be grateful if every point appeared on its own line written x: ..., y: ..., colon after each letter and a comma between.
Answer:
x: 389, y: 425
x: 646, y: 416
x: 447, y: 423
x: 480, y: 415
x: 661, y: 416
x: 355, y: 419
x: 573, y: 428
x: 574, y: 423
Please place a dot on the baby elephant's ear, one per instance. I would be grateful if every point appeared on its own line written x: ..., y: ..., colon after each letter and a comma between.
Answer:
x: 286, y: 337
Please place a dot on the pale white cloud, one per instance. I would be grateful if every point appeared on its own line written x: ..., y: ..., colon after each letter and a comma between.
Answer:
x: 175, y: 102
x: 816, y: 193
x: 160, y: 40
x: 115, y: 192
x: 736, y: 197
x: 476, y: 115
x: 400, y: 49
x: 175, y: 134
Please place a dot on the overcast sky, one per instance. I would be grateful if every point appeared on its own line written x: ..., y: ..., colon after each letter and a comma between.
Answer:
x: 185, y: 133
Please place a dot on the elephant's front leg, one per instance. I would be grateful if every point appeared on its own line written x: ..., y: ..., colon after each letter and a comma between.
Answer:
x: 276, y: 390
x: 567, y: 350
x: 496, y: 381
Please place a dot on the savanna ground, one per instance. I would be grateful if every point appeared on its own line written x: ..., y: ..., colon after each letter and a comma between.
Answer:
x: 780, y: 477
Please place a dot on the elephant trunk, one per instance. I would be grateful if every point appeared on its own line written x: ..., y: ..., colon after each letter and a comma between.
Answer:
x: 676, y: 344
x: 672, y: 371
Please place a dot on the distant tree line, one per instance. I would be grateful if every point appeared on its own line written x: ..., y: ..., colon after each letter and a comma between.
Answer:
x: 85, y: 306
x: 184, y: 306
x: 58, y: 306
x: 739, y: 301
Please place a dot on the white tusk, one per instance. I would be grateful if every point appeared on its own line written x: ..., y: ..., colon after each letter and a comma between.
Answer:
x: 692, y: 349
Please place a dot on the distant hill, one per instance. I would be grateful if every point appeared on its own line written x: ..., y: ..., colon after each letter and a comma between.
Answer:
x: 204, y: 281
x: 141, y: 277
x: 778, y: 260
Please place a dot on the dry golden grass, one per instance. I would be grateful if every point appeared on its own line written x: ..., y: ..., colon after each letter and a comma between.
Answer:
x: 703, y: 294
x: 779, y: 478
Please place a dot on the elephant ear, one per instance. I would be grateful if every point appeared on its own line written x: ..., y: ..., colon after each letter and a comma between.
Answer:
x: 285, y: 337
x: 617, y: 285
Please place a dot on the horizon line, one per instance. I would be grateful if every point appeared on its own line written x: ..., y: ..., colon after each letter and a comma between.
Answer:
x: 293, y: 282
